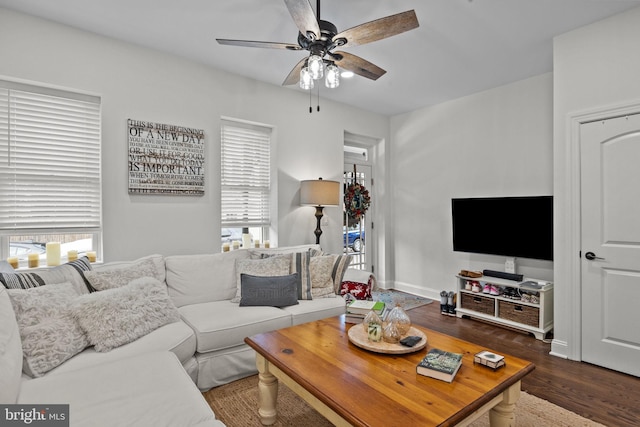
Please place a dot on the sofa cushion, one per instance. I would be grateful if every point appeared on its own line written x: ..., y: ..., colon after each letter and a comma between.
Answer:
x: 146, y: 390
x: 326, y: 274
x: 223, y: 324
x: 50, y: 334
x: 70, y: 272
x: 117, y: 316
x: 274, y: 266
x: 176, y: 337
x: 158, y: 261
x: 273, y: 291
x: 299, y: 264
x: 10, y: 351
x: 194, y: 279
x: 117, y: 277
x: 321, y: 308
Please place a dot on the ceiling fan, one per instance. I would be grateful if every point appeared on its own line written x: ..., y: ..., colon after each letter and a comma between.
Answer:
x: 320, y: 38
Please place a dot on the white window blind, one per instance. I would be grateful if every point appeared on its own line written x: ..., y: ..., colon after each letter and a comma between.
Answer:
x: 49, y: 159
x: 246, y: 174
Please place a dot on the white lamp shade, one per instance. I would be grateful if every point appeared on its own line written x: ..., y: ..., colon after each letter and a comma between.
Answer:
x: 320, y: 193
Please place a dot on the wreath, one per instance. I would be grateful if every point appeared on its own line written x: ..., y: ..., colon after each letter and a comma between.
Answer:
x: 356, y: 201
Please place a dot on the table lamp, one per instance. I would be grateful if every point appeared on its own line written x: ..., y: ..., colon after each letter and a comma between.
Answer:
x: 319, y: 193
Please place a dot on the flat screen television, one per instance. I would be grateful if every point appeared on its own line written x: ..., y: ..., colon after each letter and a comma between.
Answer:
x: 519, y: 227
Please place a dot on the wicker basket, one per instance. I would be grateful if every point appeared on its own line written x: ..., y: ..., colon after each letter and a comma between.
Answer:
x: 519, y: 313
x: 478, y: 303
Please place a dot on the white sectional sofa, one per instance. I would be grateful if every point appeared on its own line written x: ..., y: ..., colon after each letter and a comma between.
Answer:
x: 115, y: 380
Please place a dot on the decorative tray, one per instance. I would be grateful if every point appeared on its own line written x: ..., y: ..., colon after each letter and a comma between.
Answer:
x: 358, y: 337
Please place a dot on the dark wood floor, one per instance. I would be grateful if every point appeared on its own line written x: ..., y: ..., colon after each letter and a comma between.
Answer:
x: 608, y: 397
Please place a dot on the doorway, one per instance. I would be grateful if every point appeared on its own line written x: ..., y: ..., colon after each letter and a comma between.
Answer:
x: 357, y: 235
x: 610, y: 242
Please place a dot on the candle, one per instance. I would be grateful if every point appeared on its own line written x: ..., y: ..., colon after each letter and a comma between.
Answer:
x: 236, y: 245
x: 53, y: 253
x: 92, y: 256
x: 13, y: 261
x: 246, y: 240
x: 267, y: 244
x: 256, y: 243
x: 34, y: 260
x: 72, y: 255
x: 225, y: 247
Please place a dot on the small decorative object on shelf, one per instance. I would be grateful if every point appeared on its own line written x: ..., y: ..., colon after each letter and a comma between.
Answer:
x: 402, y: 321
x: 15, y: 263
x: 33, y: 260
x: 373, y: 326
x: 489, y: 359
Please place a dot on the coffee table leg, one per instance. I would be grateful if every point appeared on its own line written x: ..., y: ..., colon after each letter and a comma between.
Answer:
x: 267, y: 392
x: 503, y: 414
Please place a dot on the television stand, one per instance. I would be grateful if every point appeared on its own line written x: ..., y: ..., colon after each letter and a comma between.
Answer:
x: 533, y: 313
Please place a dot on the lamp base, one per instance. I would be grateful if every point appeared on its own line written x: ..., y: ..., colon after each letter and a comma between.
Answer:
x: 318, y: 231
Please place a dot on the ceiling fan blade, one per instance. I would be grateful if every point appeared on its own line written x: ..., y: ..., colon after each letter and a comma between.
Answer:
x: 294, y: 76
x: 266, y: 45
x: 304, y: 17
x: 379, y: 29
x: 359, y: 66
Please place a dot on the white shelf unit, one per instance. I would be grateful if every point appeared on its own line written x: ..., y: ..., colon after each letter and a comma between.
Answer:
x: 530, y: 317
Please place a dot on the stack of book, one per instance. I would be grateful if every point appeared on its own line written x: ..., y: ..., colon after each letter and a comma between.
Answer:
x: 358, y: 309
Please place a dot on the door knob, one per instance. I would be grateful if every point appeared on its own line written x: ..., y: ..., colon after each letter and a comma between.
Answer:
x: 591, y: 256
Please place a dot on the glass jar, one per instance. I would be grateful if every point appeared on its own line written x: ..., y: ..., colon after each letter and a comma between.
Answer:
x: 400, y: 318
x: 373, y: 326
x: 390, y: 333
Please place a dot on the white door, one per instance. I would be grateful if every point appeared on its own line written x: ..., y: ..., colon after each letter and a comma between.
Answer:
x: 357, y: 231
x: 610, y: 247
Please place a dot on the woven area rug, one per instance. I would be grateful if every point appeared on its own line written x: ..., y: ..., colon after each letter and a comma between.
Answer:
x: 236, y: 405
x: 392, y: 297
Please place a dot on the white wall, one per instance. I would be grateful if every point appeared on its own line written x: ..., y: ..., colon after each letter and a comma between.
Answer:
x: 144, y: 84
x: 494, y: 143
x: 595, y: 67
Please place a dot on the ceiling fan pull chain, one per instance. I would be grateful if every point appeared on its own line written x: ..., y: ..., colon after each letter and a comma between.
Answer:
x: 318, y: 98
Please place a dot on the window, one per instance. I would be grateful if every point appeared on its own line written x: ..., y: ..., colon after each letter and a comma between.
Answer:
x: 246, y: 180
x: 49, y: 170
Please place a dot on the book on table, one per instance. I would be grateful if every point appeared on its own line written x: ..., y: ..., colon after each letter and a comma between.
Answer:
x: 364, y: 306
x: 440, y: 364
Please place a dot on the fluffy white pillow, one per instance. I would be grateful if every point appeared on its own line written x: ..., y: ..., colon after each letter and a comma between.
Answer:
x: 50, y: 335
x: 114, y: 317
x: 115, y: 278
x: 273, y: 266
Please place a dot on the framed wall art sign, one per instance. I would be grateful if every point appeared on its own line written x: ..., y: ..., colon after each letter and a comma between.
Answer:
x: 165, y: 159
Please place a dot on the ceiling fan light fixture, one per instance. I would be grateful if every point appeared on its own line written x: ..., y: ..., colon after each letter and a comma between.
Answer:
x: 332, y: 79
x: 316, y: 66
x: 306, y: 82
x: 347, y: 74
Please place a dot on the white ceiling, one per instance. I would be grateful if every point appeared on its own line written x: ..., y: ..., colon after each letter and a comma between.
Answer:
x: 461, y: 47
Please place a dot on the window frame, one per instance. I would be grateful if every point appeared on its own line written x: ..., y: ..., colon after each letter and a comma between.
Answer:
x: 89, y: 122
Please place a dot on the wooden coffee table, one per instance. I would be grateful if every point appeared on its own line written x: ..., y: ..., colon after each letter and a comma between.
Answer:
x: 350, y: 385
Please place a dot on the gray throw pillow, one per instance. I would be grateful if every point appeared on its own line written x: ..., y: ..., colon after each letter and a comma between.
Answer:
x: 272, y: 291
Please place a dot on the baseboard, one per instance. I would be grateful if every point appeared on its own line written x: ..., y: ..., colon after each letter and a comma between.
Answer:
x: 559, y: 349
x: 433, y: 294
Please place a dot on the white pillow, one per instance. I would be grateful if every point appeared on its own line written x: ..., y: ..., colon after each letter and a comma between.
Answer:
x: 114, y: 317
x: 115, y: 278
x: 50, y: 334
x: 273, y: 266
x: 326, y: 274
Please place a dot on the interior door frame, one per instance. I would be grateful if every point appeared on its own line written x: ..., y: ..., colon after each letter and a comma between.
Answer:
x: 571, y: 275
